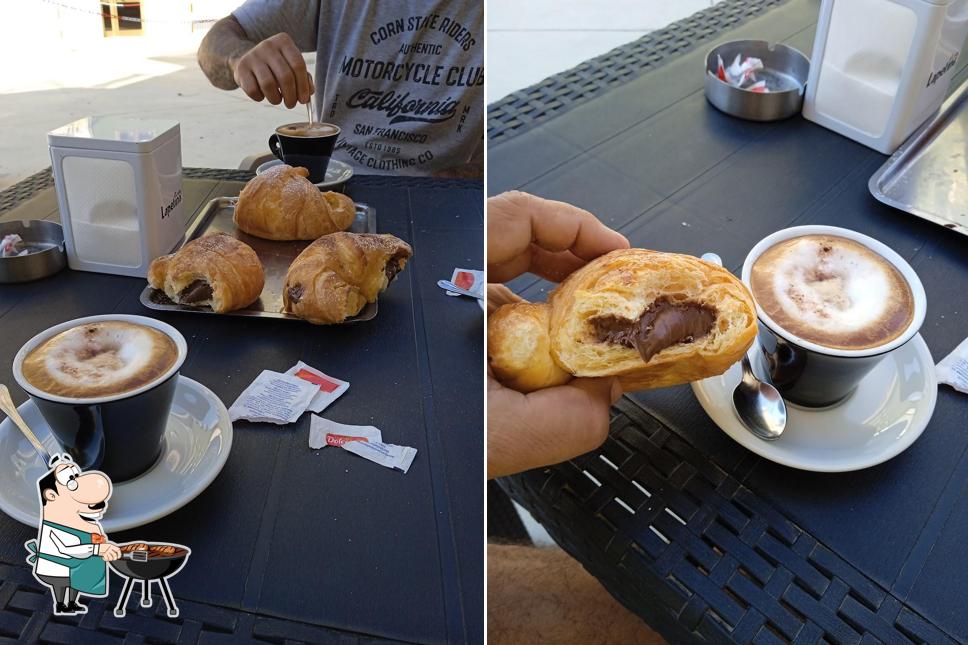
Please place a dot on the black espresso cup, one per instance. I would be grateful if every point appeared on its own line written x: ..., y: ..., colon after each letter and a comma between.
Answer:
x: 307, y: 145
x: 810, y: 374
x: 120, y: 434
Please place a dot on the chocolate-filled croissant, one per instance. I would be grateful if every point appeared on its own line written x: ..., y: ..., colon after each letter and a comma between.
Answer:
x: 281, y: 204
x: 652, y: 319
x: 216, y: 270
x: 335, y: 276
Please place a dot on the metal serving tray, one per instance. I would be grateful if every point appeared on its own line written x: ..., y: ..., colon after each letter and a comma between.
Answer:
x: 928, y: 175
x: 216, y: 217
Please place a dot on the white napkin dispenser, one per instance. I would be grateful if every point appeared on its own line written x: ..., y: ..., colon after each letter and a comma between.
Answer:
x: 119, y: 189
x: 881, y: 68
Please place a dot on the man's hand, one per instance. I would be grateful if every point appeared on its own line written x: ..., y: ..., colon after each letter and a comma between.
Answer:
x: 109, y: 551
x: 274, y: 70
x: 550, y: 239
x: 548, y: 426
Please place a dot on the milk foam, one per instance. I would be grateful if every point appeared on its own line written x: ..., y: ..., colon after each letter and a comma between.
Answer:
x: 99, y: 359
x: 837, y: 290
x: 832, y: 291
x: 108, y: 356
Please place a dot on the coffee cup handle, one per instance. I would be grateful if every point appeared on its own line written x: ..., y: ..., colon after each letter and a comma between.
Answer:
x: 274, y: 147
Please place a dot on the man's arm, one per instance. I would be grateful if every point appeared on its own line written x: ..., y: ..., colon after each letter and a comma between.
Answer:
x: 222, y: 46
x: 80, y: 551
x: 273, y: 69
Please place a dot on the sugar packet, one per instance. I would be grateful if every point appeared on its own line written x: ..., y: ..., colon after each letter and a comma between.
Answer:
x: 273, y: 398
x: 385, y: 454
x: 323, y: 432
x: 330, y: 388
x: 469, y: 279
x: 953, y: 368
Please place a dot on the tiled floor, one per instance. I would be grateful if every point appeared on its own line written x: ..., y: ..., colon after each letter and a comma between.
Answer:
x: 528, y: 40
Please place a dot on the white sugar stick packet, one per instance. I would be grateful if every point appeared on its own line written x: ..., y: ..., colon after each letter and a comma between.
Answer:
x: 323, y: 432
x: 953, y: 368
x: 470, y: 279
x: 385, y: 454
x: 273, y: 398
x: 330, y: 388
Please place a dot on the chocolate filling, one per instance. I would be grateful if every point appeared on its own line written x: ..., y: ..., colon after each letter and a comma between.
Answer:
x: 662, y: 325
x: 197, y: 291
x: 394, y: 266
x: 296, y: 293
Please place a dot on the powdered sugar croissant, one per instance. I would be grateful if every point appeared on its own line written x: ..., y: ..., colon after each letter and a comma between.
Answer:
x: 335, y: 276
x: 281, y: 204
x: 215, y: 270
x: 652, y: 319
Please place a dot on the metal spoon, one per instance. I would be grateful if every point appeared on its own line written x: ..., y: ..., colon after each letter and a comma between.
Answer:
x: 759, y: 405
x: 6, y: 404
x: 450, y: 286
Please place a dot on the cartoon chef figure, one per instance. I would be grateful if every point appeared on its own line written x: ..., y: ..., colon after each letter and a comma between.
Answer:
x: 71, y: 550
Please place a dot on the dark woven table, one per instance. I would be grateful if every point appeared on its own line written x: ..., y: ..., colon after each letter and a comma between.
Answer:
x: 290, y: 544
x: 723, y: 545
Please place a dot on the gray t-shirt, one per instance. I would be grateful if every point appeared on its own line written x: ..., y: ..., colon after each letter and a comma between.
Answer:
x: 404, y: 80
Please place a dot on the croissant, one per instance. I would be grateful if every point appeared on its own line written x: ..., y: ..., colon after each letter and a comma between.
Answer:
x: 216, y: 270
x: 652, y: 319
x: 335, y: 276
x: 281, y: 204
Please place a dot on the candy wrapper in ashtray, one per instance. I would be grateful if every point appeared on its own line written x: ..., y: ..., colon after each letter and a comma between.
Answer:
x: 330, y: 388
x: 953, y: 368
x: 742, y: 73
x: 470, y: 279
x: 273, y: 398
x: 323, y: 432
x: 12, y: 246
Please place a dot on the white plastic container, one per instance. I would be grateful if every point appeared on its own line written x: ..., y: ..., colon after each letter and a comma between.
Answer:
x: 119, y: 188
x: 881, y: 68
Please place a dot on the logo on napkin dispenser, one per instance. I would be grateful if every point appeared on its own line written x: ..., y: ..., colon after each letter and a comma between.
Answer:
x: 175, y: 201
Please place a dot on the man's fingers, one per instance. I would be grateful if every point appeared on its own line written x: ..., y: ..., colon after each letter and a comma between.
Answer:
x: 247, y: 81
x: 505, y: 271
x: 547, y: 426
x: 297, y: 64
x: 554, y: 266
x: 516, y: 220
x: 285, y: 78
x: 267, y: 83
x: 499, y: 295
x: 546, y: 264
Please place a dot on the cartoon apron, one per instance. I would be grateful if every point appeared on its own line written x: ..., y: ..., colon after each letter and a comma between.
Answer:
x: 88, y: 575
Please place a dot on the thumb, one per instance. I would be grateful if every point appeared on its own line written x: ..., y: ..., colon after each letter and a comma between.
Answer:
x: 571, y: 419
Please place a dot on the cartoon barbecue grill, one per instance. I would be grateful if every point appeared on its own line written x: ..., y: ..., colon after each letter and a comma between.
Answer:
x: 149, y: 562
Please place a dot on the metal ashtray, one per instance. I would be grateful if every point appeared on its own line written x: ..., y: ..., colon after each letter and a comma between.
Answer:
x: 45, y: 242
x: 785, y: 71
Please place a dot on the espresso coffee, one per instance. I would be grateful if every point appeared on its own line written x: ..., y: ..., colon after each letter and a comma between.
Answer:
x: 99, y: 359
x: 306, y: 129
x: 832, y: 291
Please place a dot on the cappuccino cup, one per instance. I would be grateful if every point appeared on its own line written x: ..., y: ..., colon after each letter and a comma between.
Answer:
x: 831, y: 304
x: 104, y: 385
x: 309, y: 145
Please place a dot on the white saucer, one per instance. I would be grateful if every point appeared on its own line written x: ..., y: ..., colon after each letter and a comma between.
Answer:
x: 887, y: 412
x: 337, y: 172
x: 197, y: 443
